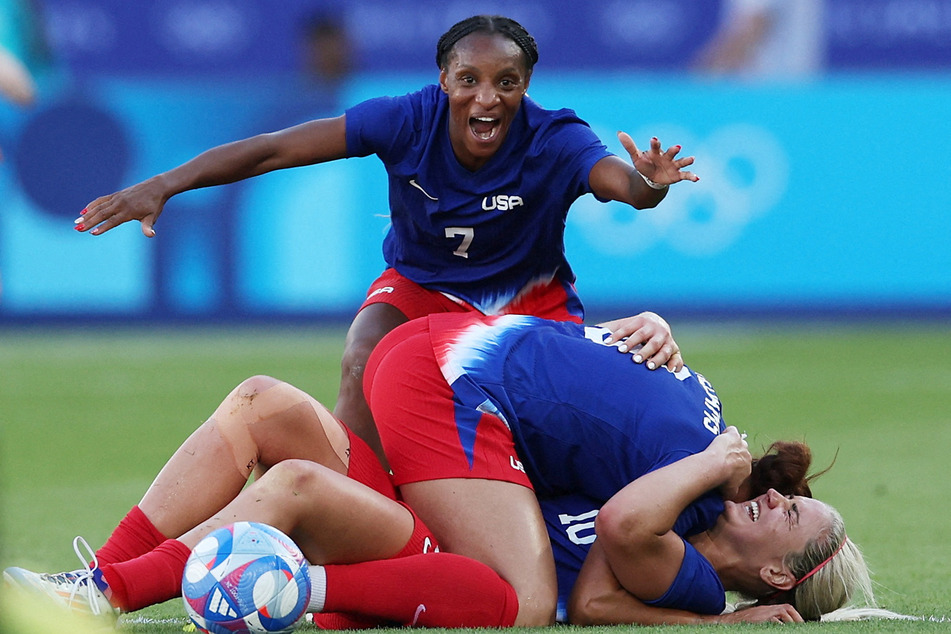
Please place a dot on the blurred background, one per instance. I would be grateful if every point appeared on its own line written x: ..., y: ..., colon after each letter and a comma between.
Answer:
x: 820, y: 129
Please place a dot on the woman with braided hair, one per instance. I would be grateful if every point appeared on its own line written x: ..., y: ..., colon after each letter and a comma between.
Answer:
x: 480, y: 179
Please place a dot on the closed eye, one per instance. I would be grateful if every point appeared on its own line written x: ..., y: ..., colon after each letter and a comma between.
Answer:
x: 792, y: 510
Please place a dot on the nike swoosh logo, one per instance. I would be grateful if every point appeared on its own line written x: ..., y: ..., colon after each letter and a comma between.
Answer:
x: 419, y: 611
x: 416, y: 185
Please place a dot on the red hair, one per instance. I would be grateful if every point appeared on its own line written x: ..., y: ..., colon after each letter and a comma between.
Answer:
x: 784, y: 467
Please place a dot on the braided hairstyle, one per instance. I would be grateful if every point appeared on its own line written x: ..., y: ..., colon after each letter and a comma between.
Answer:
x: 487, y: 24
x: 784, y: 467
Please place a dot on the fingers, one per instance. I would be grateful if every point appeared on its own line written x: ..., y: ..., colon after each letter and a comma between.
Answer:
x: 675, y: 363
x: 108, y: 212
x: 647, y: 338
x: 787, y: 614
x: 93, y: 215
x: 654, y: 349
x: 656, y: 159
x: 628, y: 143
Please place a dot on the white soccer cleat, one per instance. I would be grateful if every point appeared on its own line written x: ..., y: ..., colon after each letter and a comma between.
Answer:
x: 76, y: 590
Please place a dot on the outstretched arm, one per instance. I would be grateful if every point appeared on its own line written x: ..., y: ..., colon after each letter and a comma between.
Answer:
x: 312, y: 142
x: 643, y: 182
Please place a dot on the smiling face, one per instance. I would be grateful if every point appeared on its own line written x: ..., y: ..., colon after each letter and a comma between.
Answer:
x: 485, y: 77
x: 770, y: 526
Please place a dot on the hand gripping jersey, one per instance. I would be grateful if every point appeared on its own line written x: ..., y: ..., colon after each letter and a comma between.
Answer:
x: 482, y: 236
x: 586, y: 420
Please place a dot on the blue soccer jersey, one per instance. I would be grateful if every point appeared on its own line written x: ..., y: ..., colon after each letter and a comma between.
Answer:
x: 585, y: 418
x: 480, y: 236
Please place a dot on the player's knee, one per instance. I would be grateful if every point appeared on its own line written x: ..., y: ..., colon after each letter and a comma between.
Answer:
x: 292, y: 476
x: 536, y: 608
x: 250, y: 388
x: 354, y: 360
x: 537, y: 600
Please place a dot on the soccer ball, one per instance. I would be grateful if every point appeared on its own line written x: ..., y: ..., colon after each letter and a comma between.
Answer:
x: 246, y: 577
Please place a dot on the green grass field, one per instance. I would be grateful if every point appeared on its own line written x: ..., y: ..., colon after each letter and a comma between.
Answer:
x: 89, y: 416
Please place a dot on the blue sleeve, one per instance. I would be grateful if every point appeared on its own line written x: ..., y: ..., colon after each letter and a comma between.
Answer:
x: 390, y: 126
x: 570, y: 138
x: 370, y: 126
x: 696, y: 588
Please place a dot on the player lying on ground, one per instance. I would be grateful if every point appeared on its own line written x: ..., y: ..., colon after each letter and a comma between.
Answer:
x: 302, y: 453
x: 499, y: 410
x: 481, y: 179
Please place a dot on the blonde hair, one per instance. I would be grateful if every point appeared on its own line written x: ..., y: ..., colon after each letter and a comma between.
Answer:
x: 832, y: 573
x: 834, y: 583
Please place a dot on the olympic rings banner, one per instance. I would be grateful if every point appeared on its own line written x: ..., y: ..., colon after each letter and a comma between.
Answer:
x: 817, y: 196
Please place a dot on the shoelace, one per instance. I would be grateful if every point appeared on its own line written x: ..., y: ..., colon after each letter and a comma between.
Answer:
x: 85, y: 575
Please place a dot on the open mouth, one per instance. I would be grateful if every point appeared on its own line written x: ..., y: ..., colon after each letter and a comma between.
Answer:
x: 753, y: 510
x: 485, y: 128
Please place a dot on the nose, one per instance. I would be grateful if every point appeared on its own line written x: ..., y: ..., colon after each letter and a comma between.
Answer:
x: 776, y: 499
x: 487, y: 95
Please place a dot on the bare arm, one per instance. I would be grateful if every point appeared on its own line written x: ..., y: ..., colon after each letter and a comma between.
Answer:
x: 613, y: 178
x: 635, y: 526
x: 306, y: 144
x: 599, y: 599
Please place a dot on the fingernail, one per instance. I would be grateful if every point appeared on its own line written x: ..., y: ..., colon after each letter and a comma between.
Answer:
x: 651, y: 365
x: 83, y: 212
x: 80, y: 227
x: 638, y: 358
x: 622, y: 347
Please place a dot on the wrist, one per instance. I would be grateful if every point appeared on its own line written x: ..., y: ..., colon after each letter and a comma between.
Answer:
x: 651, y: 183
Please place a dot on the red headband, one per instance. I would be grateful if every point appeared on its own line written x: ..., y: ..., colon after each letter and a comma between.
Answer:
x: 827, y: 560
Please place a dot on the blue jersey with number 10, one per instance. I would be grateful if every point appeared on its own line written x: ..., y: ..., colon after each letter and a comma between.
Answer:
x: 482, y: 236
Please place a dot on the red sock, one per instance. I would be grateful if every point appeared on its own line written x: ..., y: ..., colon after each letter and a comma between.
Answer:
x: 340, y: 621
x: 135, y: 535
x: 431, y: 590
x: 148, y: 579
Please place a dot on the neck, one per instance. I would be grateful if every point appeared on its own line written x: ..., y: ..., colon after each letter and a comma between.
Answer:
x: 732, y: 569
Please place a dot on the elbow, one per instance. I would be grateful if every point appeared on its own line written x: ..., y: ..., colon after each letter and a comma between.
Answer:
x: 585, y: 609
x: 617, y: 527
x: 586, y: 614
x: 651, y: 199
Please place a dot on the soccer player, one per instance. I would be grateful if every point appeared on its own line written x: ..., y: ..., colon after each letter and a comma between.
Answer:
x: 314, y: 480
x: 499, y: 410
x: 480, y: 178
x: 546, y: 380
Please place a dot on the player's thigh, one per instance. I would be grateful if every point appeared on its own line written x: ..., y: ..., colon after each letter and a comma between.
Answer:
x: 497, y: 523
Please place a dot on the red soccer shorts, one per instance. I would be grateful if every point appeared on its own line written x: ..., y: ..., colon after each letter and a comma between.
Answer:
x: 365, y: 467
x: 550, y: 301
x: 414, y: 410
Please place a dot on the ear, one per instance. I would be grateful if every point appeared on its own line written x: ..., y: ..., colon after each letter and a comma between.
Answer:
x: 778, y: 577
x: 443, y: 78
